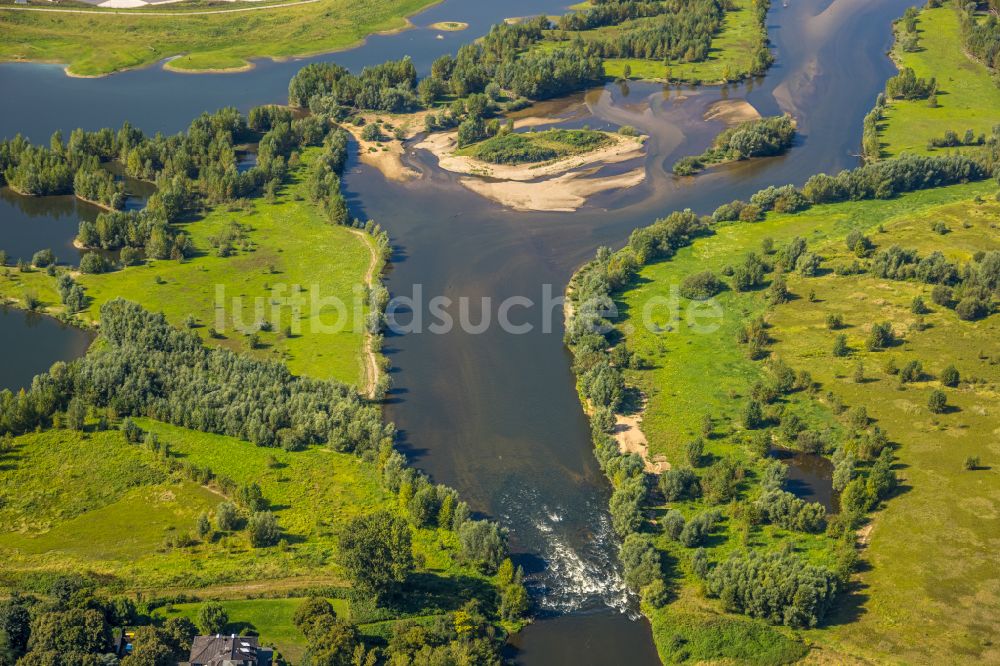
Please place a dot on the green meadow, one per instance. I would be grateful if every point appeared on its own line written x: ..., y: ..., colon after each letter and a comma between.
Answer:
x: 288, y: 246
x: 56, y: 517
x: 697, y: 373
x: 730, y: 56
x: 930, y: 562
x: 933, y: 589
x: 968, y: 96
x: 271, y: 619
x: 93, y: 44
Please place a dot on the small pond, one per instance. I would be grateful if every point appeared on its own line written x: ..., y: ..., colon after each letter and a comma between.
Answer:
x: 32, y: 342
x: 810, y: 477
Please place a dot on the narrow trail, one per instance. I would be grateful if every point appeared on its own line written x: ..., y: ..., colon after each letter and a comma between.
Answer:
x: 371, y: 363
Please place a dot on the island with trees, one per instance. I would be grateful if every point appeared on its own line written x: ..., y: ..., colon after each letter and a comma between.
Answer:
x: 764, y: 137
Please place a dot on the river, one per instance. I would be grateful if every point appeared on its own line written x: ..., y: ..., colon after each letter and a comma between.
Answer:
x: 495, y: 414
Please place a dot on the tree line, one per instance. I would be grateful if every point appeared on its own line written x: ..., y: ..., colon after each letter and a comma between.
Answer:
x: 217, y: 391
x: 681, y: 31
x: 981, y: 36
x: 191, y: 169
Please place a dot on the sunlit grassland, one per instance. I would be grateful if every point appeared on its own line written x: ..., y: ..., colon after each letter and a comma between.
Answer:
x: 731, y: 51
x: 931, y: 566
x: 968, y: 96
x: 696, y: 373
x: 93, y: 45
x: 271, y: 619
x: 932, y: 593
x: 294, y: 245
x: 94, y: 502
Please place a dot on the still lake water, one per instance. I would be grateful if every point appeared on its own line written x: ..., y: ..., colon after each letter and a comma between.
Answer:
x: 492, y: 414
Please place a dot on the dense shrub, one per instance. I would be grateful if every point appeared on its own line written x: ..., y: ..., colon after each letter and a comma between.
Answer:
x: 700, y: 286
x: 781, y: 589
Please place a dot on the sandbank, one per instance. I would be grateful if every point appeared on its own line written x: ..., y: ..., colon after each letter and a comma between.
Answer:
x: 731, y: 111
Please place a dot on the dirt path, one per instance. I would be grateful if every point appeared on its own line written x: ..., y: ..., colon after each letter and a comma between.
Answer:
x: 246, y: 590
x: 370, y: 360
x: 143, y: 12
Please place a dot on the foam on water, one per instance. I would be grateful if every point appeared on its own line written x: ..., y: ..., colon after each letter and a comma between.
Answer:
x: 580, y: 553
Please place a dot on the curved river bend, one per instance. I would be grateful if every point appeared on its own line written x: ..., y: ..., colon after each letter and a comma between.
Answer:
x: 493, y: 414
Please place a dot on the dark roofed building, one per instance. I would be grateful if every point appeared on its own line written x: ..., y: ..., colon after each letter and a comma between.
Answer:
x: 230, y: 650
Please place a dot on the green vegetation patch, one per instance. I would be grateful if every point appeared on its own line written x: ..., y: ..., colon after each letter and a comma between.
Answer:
x: 94, y: 44
x: 689, y: 632
x: 699, y: 374
x: 682, y: 359
x: 967, y: 97
x: 271, y: 619
x: 737, y: 49
x: 532, y: 147
x: 296, y: 255
x: 927, y: 549
x: 753, y: 138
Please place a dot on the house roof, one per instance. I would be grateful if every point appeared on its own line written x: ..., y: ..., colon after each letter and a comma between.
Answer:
x: 229, y: 650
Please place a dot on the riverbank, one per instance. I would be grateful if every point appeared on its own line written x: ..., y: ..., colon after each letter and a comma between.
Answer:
x: 106, y: 41
x: 699, y: 380
x: 386, y: 153
x: 563, y: 184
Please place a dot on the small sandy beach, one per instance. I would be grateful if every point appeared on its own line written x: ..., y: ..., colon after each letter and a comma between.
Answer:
x: 731, y: 111
x: 561, y: 185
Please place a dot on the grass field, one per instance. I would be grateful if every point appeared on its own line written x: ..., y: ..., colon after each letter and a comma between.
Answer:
x: 92, y: 45
x: 272, y: 619
x: 930, y: 582
x: 292, y: 245
x: 933, y: 592
x: 969, y: 97
x: 731, y: 54
x: 56, y: 518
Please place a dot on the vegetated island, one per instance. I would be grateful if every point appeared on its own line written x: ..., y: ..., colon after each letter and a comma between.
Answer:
x: 703, y: 41
x: 93, y: 44
x: 449, y: 26
x: 749, y: 139
x: 546, y: 170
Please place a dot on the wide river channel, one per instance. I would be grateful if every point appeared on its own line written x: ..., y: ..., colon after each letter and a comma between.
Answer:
x: 495, y: 414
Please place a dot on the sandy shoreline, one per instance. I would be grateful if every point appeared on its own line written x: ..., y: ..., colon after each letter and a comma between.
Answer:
x: 731, y: 111
x: 631, y: 439
x: 562, y: 194
x: 443, y: 145
x: 561, y: 185
x: 387, y: 155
